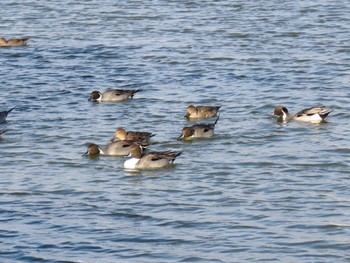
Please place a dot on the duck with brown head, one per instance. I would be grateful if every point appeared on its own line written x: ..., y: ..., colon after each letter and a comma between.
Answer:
x: 118, y: 148
x: 282, y: 112
x: 137, y: 136
x: 150, y: 160
x: 198, y: 131
x: 312, y: 115
x: 197, y: 112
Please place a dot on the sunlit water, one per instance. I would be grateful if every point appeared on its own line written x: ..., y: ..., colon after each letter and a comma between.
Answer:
x: 259, y: 191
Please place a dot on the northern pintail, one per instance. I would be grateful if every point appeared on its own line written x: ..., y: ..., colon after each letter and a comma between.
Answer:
x: 16, y: 42
x: 113, y: 95
x: 150, y: 160
x: 3, y: 115
x: 197, y: 112
x: 2, y: 132
x: 198, y: 131
x: 312, y: 115
x: 117, y: 148
x: 138, y: 136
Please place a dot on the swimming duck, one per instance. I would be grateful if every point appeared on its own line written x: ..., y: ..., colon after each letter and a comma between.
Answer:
x: 2, y: 132
x: 113, y: 95
x: 122, y: 134
x: 16, y: 42
x: 3, y: 115
x: 312, y: 115
x: 150, y: 160
x: 117, y: 148
x: 198, y: 131
x: 202, y: 111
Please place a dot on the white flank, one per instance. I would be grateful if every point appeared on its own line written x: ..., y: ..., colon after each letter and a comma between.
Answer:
x: 131, y: 163
x: 315, y: 118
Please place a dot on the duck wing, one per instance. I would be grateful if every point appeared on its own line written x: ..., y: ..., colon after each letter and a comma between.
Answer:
x: 310, y: 111
x: 169, y: 155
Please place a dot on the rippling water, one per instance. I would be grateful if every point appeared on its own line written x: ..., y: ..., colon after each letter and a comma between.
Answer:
x: 259, y: 191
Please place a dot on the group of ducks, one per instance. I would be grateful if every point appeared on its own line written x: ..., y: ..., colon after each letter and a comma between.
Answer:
x: 135, y: 143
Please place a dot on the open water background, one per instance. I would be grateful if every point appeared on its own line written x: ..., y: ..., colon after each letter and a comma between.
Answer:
x: 259, y: 191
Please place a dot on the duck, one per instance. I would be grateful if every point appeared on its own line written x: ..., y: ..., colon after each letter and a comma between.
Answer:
x: 15, y: 42
x: 118, y: 148
x: 312, y: 115
x: 199, y: 131
x: 150, y: 160
x: 2, y: 132
x: 3, y: 115
x: 195, y: 112
x: 138, y: 136
x: 113, y: 95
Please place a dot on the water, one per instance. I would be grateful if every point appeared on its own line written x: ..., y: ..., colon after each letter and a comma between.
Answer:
x: 259, y: 191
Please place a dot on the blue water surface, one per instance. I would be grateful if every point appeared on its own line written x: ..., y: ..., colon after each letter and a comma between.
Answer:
x: 258, y: 191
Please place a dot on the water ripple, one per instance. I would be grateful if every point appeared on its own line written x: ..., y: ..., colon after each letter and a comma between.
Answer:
x: 260, y: 190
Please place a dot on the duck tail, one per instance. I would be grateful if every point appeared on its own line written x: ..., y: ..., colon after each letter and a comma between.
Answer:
x: 10, y: 110
x: 133, y: 92
x: 177, y: 154
x: 325, y: 113
x: 25, y: 39
x: 136, y: 90
x: 216, y: 121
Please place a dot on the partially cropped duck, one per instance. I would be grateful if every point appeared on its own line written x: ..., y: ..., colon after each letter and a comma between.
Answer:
x: 113, y: 95
x: 137, y: 136
x: 198, y: 131
x: 3, y: 115
x: 16, y: 42
x: 118, y: 148
x: 196, y: 112
x: 150, y: 160
x: 2, y: 132
x: 312, y: 115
